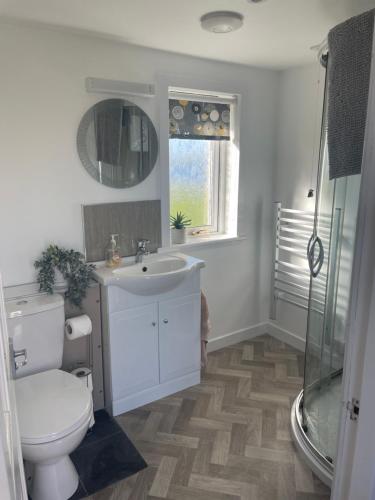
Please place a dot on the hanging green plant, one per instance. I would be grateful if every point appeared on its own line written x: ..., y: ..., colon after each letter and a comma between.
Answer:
x: 72, y: 266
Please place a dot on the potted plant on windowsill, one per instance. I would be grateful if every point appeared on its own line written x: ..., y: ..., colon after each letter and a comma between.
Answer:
x: 179, y: 223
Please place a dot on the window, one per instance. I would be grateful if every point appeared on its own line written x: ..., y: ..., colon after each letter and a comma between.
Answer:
x: 201, y: 159
x: 194, y: 179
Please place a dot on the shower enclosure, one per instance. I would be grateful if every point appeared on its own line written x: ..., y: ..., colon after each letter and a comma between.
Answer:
x: 316, y: 411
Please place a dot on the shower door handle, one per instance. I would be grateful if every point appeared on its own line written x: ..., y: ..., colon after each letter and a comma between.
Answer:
x: 315, y: 264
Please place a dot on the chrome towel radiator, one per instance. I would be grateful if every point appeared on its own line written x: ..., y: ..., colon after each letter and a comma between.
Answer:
x: 294, y: 258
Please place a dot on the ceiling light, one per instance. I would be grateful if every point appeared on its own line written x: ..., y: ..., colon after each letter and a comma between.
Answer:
x: 222, y: 21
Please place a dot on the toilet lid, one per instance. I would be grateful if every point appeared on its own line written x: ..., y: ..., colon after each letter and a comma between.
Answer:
x: 50, y: 405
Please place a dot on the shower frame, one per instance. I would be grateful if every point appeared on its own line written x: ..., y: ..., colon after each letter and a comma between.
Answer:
x: 317, y: 461
x: 353, y: 472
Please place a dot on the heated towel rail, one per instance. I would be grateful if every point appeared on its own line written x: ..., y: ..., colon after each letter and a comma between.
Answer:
x: 290, y: 271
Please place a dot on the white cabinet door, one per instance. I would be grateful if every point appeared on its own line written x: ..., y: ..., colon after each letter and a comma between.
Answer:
x: 179, y: 336
x: 134, y: 350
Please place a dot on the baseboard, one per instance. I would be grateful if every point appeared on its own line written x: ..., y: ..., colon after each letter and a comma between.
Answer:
x: 286, y: 336
x: 236, y: 337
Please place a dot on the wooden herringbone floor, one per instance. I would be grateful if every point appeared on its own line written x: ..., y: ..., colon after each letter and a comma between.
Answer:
x: 227, y: 438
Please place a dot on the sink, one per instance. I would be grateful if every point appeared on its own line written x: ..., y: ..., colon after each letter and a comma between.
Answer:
x: 158, y: 273
x: 165, y: 266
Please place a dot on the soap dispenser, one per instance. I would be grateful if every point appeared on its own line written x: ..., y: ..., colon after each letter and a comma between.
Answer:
x: 113, y: 255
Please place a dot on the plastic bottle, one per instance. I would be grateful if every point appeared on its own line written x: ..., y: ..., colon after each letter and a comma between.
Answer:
x: 113, y: 255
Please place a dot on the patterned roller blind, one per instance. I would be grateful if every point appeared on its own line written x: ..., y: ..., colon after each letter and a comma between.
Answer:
x: 199, y: 120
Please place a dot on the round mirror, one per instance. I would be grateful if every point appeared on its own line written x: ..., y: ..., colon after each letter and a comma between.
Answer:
x: 117, y: 143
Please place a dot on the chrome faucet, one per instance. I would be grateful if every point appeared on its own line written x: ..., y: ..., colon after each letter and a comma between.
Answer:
x: 141, y: 250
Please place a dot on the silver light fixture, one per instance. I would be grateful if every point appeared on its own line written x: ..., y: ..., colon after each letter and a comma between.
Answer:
x: 222, y: 21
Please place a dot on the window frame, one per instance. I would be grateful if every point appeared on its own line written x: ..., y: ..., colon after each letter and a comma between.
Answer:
x: 221, y: 156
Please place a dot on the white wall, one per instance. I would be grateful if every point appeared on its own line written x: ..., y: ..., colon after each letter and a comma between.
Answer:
x: 43, y: 183
x: 300, y: 96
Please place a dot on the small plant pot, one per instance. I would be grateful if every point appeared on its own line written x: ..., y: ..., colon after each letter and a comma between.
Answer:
x: 178, y: 236
x: 60, y: 281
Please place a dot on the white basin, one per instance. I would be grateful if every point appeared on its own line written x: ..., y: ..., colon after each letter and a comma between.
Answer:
x: 158, y: 273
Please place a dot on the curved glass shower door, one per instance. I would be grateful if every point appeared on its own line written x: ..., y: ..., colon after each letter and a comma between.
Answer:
x: 335, y: 225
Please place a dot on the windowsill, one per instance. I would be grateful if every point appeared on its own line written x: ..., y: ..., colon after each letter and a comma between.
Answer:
x: 204, y: 241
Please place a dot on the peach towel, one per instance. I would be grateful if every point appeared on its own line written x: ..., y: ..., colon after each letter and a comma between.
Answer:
x: 205, y: 329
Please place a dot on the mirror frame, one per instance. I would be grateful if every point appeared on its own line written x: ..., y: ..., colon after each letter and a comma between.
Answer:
x: 90, y: 166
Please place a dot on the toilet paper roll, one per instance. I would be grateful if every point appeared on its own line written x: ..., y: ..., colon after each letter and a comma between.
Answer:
x: 78, y: 327
x: 85, y: 376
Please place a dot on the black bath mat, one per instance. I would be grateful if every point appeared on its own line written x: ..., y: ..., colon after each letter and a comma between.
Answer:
x: 105, y: 456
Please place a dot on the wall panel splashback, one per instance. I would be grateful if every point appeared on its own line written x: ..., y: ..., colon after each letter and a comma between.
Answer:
x: 130, y: 220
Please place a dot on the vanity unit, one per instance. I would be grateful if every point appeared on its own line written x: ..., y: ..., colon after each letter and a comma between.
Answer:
x: 151, y: 329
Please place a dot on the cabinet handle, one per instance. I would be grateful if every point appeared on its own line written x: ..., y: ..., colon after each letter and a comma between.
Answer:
x: 153, y: 323
x: 165, y: 321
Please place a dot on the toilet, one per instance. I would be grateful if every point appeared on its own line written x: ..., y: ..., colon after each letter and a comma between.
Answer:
x: 54, y: 407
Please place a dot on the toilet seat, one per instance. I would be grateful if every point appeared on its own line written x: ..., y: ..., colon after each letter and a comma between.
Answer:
x: 51, y: 405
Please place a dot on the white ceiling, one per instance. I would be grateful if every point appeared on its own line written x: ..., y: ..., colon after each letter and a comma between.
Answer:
x: 276, y: 33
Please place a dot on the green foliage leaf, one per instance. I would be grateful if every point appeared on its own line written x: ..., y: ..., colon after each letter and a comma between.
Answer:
x: 72, y: 265
x: 179, y: 221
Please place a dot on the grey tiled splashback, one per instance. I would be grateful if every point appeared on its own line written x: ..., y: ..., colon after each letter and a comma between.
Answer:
x: 132, y: 220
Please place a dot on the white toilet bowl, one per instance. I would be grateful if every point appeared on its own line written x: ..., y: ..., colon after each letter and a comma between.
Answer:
x: 54, y: 410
